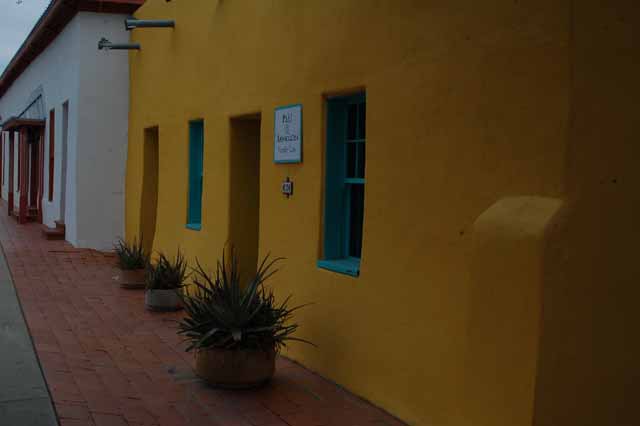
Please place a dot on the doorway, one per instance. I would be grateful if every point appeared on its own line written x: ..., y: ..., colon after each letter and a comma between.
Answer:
x: 244, y: 203
x: 149, y: 199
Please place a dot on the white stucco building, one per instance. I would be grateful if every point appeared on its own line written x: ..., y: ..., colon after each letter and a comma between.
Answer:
x: 64, y: 113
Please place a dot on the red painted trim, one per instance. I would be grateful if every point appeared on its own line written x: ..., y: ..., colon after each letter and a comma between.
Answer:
x: 1, y: 158
x: 14, y: 123
x: 51, y: 24
x: 110, y: 6
x: 22, y: 211
x: 33, y: 163
x: 19, y: 160
x: 11, y: 173
x: 52, y: 150
x: 40, y: 173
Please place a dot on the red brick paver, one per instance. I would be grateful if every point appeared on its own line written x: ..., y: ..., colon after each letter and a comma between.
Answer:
x: 108, y: 362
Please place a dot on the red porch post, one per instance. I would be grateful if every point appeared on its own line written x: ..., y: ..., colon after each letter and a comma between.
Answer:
x: 23, y: 181
x: 11, y: 172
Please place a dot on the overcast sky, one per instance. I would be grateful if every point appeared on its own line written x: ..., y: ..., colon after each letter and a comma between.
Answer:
x: 17, y: 18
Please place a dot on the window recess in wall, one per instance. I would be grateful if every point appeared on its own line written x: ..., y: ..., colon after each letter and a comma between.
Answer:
x: 196, y: 152
x: 344, y: 184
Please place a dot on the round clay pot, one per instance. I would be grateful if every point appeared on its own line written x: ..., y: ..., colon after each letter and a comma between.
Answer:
x: 162, y: 300
x: 236, y: 369
x: 131, y: 279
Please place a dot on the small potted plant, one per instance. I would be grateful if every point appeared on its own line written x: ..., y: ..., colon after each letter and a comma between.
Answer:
x: 132, y: 260
x: 165, y: 279
x: 235, y: 328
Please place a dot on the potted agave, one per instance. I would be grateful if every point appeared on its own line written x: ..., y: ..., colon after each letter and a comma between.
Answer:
x: 165, y: 279
x: 132, y: 261
x: 235, y: 328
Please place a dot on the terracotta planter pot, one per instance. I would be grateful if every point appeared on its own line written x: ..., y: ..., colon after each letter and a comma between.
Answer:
x: 162, y: 300
x: 131, y: 279
x: 239, y: 369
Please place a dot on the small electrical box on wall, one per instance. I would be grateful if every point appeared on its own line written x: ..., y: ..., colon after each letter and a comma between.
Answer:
x: 287, y: 187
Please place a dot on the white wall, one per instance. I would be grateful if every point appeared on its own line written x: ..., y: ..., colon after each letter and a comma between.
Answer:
x: 96, y: 86
x: 102, y: 131
x: 57, y: 71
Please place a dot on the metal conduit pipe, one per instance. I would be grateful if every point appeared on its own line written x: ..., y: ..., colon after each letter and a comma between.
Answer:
x: 130, y: 24
x: 107, y: 45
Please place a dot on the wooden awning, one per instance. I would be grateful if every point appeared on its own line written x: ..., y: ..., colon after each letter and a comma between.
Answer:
x: 15, y: 123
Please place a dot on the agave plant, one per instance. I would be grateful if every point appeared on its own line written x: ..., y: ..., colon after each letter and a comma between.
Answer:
x: 222, y: 313
x: 165, y: 274
x: 131, y: 255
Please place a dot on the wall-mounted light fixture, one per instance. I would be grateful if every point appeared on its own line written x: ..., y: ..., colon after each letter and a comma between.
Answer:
x: 107, y: 45
x: 130, y: 24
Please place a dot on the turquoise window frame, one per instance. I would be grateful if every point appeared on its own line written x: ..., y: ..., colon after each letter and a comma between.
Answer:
x: 196, y: 172
x: 338, y: 185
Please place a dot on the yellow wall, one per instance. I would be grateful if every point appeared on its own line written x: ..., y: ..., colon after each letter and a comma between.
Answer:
x: 589, y: 372
x: 467, y: 105
x: 509, y: 242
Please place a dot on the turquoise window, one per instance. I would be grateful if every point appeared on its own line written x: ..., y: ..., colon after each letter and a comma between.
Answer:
x: 196, y: 152
x: 344, y: 184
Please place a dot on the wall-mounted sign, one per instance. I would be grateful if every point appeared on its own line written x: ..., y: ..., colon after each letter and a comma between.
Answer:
x: 288, y: 134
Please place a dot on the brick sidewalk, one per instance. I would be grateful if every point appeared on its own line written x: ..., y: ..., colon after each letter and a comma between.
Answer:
x: 108, y: 362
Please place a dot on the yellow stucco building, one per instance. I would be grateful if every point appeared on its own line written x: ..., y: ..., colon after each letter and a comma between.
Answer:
x: 492, y: 276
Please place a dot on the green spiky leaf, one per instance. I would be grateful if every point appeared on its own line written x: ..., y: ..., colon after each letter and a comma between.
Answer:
x: 224, y: 311
x: 131, y: 255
